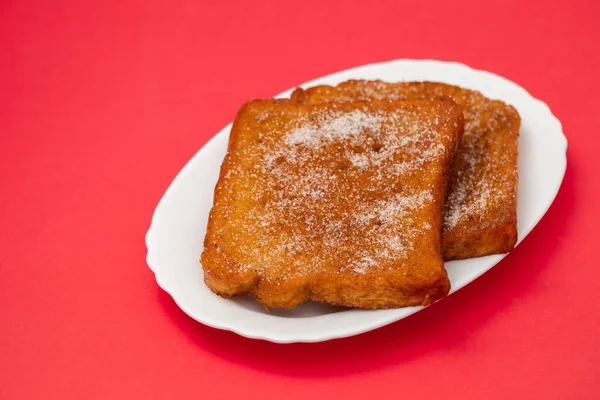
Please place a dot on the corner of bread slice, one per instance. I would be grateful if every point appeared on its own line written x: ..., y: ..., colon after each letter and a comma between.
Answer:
x: 227, y: 277
x: 478, y: 240
x: 298, y: 95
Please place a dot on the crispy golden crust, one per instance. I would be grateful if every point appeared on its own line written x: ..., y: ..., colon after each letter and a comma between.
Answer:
x: 480, y: 216
x: 336, y: 203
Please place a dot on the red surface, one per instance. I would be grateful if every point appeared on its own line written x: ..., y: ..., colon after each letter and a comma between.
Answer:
x: 101, y: 105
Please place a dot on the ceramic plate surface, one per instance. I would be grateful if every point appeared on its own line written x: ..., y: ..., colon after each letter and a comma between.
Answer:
x: 175, y: 237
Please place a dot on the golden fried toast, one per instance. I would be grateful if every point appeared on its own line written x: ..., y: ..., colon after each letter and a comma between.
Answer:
x: 336, y: 203
x: 480, y: 216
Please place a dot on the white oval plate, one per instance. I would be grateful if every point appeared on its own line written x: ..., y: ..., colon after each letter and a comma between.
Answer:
x: 175, y: 237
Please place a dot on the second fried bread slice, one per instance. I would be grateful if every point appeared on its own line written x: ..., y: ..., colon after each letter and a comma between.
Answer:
x: 480, y: 216
x: 337, y: 203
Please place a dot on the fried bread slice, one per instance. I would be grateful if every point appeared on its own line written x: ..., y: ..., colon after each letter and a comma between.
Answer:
x: 336, y: 203
x: 480, y: 216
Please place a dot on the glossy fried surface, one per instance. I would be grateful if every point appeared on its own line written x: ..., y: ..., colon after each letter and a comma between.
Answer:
x: 480, y: 216
x: 338, y: 203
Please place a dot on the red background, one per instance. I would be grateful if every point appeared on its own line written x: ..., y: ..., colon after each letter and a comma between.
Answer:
x: 102, y: 104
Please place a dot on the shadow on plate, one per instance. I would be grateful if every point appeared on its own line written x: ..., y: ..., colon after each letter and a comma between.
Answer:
x: 445, y: 326
x: 305, y: 310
